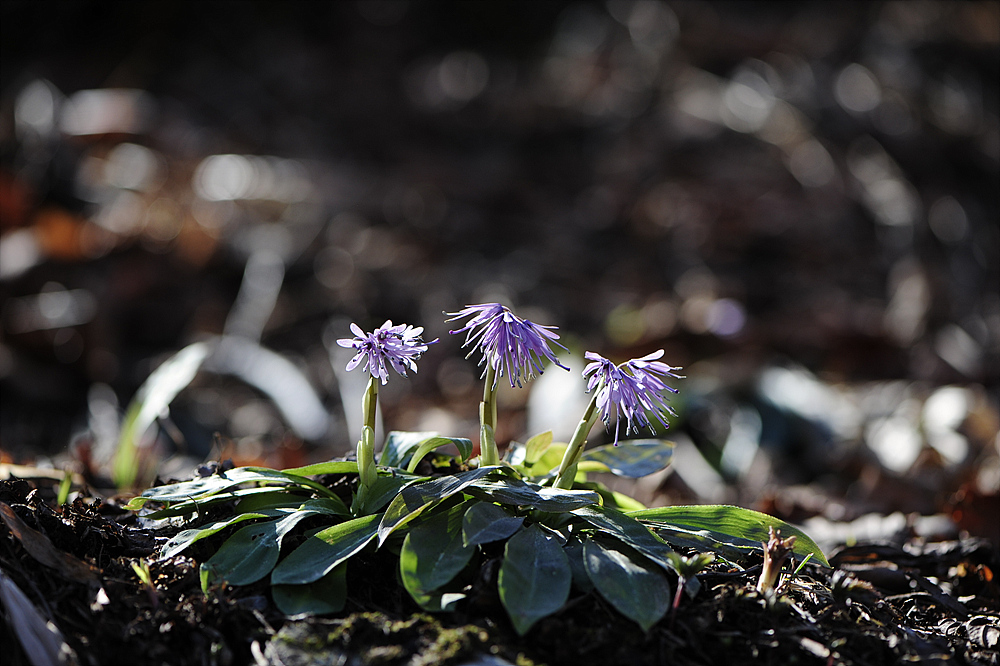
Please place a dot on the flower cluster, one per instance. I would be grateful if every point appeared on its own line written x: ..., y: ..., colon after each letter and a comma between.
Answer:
x: 511, y: 346
x: 633, y: 389
x: 400, y: 346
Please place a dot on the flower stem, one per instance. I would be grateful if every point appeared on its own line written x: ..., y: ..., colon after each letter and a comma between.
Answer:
x: 567, y: 468
x: 366, y: 445
x: 488, y: 420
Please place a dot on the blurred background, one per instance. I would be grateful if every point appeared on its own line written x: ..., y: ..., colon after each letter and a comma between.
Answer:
x: 797, y: 201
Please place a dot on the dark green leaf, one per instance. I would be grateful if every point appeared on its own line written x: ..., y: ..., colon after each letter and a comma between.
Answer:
x: 464, y: 449
x: 197, y: 506
x: 510, y: 490
x: 485, y: 522
x: 731, y: 525
x: 535, y: 578
x: 574, y: 554
x: 180, y: 541
x: 633, y: 458
x: 639, y: 591
x: 323, y: 551
x: 629, y: 530
x: 413, y: 499
x: 399, y: 445
x: 326, y: 595
x: 217, y: 483
x: 432, y: 555
x: 247, y: 556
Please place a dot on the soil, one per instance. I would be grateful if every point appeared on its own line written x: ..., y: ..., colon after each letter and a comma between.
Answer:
x: 926, y: 602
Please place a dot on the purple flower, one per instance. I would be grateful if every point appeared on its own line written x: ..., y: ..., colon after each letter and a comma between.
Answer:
x: 399, y: 346
x: 512, y: 346
x: 633, y: 389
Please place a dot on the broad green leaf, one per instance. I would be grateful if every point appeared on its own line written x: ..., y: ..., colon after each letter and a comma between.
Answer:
x: 413, y: 499
x: 321, y: 597
x: 629, y: 530
x: 217, y: 483
x: 384, y: 490
x: 485, y: 522
x: 574, y: 554
x: 433, y: 554
x: 536, y: 446
x: 535, y: 578
x: 197, y: 506
x: 323, y: 551
x: 180, y: 541
x: 510, y: 490
x: 732, y: 525
x: 399, y: 445
x: 252, y: 551
x: 150, y: 402
x: 272, y: 499
x: 247, y: 556
x: 329, y: 467
x: 633, y: 458
x: 639, y: 591
x: 464, y: 449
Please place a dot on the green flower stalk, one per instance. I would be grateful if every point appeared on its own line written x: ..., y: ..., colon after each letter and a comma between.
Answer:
x: 400, y: 346
x: 511, y: 347
x: 632, y: 390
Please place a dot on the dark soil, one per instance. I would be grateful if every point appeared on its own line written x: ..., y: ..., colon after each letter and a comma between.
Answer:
x: 879, y: 604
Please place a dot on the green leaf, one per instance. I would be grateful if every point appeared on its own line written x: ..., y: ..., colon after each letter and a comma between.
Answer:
x: 730, y: 525
x: 535, y: 578
x: 574, y: 554
x: 180, y: 541
x: 252, y: 551
x: 485, y: 522
x: 633, y: 458
x: 200, y: 505
x: 399, y: 445
x: 431, y: 443
x: 551, y: 459
x: 433, y: 554
x: 413, y: 499
x: 384, y: 490
x: 217, y: 483
x: 247, y: 556
x: 150, y: 402
x: 536, y: 446
x: 329, y: 467
x: 323, y: 551
x: 509, y: 490
x: 321, y: 597
x: 260, y: 501
x: 639, y: 591
x: 629, y: 530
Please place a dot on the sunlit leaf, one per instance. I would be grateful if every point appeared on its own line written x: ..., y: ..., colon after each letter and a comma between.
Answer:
x: 329, y: 467
x: 324, y: 596
x: 535, y: 447
x: 323, y: 551
x: 485, y: 522
x: 509, y: 490
x: 639, y: 591
x: 413, y: 499
x: 197, y: 506
x: 629, y: 530
x: 732, y: 525
x: 433, y: 554
x: 535, y: 578
x: 633, y: 458
x: 399, y: 445
x: 464, y: 449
